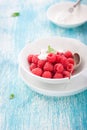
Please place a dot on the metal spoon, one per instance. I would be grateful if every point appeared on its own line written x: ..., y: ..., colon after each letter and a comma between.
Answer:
x: 71, y: 9
x: 77, y: 60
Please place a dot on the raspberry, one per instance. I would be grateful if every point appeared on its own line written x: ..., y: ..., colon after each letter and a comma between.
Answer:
x: 47, y: 74
x: 68, y: 54
x: 55, y: 67
x: 35, y: 59
x: 48, y: 66
x: 51, y: 57
x: 58, y: 75
x: 29, y: 58
x: 37, y: 71
x: 70, y: 67
x: 64, y: 61
x: 58, y: 67
x: 32, y: 66
x: 66, y: 74
x: 58, y: 57
x: 41, y: 63
x: 70, y: 60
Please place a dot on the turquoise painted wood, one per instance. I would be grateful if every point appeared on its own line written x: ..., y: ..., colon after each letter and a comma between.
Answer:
x: 29, y: 110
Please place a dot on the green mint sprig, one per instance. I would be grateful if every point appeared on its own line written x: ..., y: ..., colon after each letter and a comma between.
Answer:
x: 51, y: 50
x: 11, y: 96
x: 15, y: 14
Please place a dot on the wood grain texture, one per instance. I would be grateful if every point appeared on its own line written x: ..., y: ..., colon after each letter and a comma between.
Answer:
x: 29, y: 110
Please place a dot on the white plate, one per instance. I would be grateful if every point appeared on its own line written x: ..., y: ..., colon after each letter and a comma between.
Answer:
x: 55, y: 90
x: 59, y: 14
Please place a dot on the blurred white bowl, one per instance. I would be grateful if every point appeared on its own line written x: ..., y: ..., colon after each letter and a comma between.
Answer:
x: 60, y: 43
x: 59, y: 14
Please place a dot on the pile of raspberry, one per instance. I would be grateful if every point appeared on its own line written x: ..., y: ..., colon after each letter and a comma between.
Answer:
x: 56, y: 65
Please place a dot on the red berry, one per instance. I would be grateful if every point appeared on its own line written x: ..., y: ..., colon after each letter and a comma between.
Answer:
x: 29, y: 58
x: 55, y: 67
x: 70, y: 67
x: 32, y: 66
x: 70, y: 60
x: 66, y: 74
x: 51, y: 57
x: 35, y: 59
x: 58, y: 58
x: 68, y: 54
x: 47, y: 74
x: 64, y: 61
x: 41, y: 63
x: 58, y: 75
x: 58, y: 67
x: 37, y: 71
x: 48, y: 66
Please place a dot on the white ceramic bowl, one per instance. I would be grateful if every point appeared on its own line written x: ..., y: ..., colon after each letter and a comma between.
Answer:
x: 59, y: 14
x: 60, y: 43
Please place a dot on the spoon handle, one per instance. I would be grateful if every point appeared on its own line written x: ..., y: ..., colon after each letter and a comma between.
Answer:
x: 78, y: 2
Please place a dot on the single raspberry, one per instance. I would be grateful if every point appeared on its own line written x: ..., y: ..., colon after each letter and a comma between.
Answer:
x: 66, y: 74
x: 51, y: 57
x: 55, y: 67
x: 70, y: 67
x: 58, y: 75
x: 58, y: 67
x: 70, y: 60
x: 68, y: 54
x: 48, y: 66
x: 32, y: 66
x: 47, y: 74
x: 35, y: 59
x: 29, y: 58
x: 63, y: 61
x: 37, y: 71
x: 41, y: 63
x: 58, y: 57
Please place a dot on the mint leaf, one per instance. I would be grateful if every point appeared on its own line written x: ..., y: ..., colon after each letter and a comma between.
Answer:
x: 15, y: 14
x: 12, y: 96
x: 50, y: 49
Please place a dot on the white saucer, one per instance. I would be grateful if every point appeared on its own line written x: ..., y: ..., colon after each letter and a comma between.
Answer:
x: 55, y: 90
x: 59, y: 15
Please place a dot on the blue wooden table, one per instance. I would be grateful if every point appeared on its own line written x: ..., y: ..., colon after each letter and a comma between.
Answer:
x: 20, y: 107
